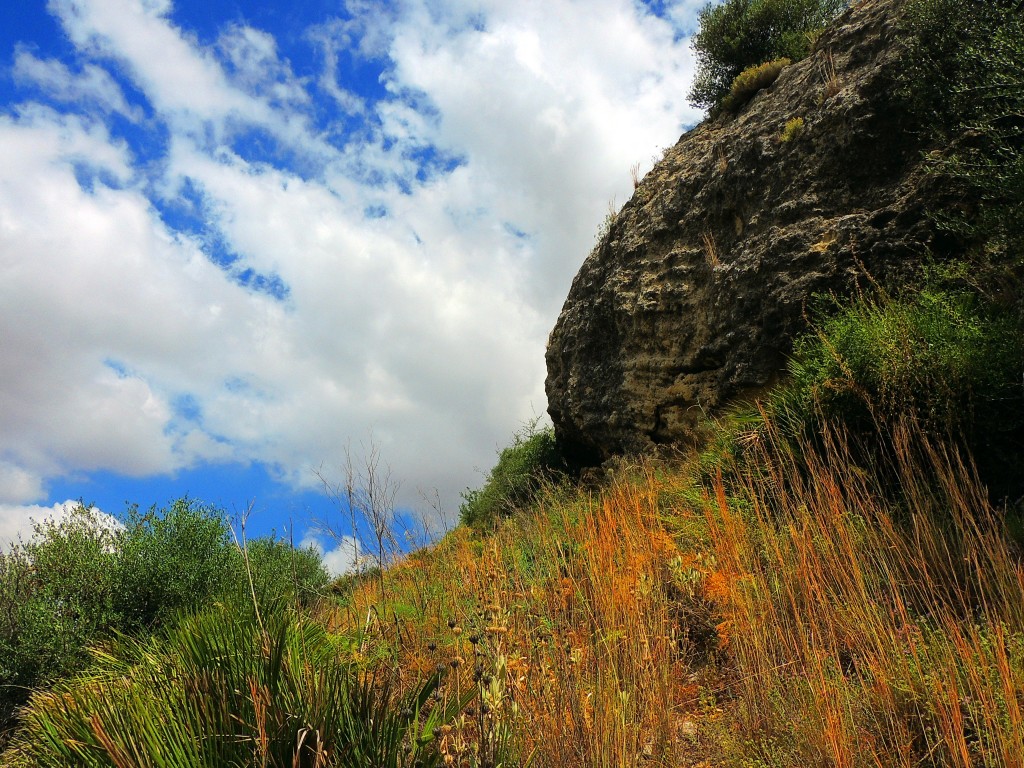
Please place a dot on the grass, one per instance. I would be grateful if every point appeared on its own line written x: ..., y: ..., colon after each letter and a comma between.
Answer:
x: 710, y: 248
x: 752, y: 80
x: 793, y: 130
x: 775, y: 609
x: 872, y: 633
x: 562, y: 620
x: 946, y: 358
x: 829, y: 77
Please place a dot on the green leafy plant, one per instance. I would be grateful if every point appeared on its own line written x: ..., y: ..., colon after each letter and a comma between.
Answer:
x: 55, y: 598
x: 964, y: 80
x: 169, y: 560
x: 947, y: 360
x: 739, y: 34
x: 281, y: 572
x: 522, y: 468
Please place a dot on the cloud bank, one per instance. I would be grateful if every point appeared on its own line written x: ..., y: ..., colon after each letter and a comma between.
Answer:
x: 209, y: 253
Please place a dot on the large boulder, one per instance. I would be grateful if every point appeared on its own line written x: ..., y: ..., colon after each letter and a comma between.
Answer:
x: 693, y: 296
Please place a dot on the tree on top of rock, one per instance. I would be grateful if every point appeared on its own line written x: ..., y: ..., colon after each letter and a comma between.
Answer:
x: 739, y: 34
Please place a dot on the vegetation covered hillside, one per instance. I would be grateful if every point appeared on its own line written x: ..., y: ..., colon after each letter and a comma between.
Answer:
x: 833, y: 576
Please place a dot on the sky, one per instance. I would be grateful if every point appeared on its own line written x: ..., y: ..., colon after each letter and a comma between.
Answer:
x: 240, y: 241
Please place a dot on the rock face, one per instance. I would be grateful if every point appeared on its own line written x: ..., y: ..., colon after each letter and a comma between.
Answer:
x: 693, y: 296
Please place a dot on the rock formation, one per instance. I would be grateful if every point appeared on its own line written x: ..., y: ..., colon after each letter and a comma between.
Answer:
x: 693, y: 296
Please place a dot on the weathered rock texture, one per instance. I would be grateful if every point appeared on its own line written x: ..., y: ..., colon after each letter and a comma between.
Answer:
x: 693, y: 296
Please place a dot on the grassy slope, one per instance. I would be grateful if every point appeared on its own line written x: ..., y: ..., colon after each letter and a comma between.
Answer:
x: 772, y: 610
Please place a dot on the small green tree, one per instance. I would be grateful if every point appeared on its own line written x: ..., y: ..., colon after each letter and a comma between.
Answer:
x: 739, y: 34
x: 170, y: 560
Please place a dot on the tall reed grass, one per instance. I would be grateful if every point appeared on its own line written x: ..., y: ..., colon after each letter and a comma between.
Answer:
x: 870, y: 628
x: 567, y: 624
x: 783, y: 605
x: 790, y: 608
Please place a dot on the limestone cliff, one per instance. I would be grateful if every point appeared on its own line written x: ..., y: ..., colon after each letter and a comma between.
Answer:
x: 693, y: 296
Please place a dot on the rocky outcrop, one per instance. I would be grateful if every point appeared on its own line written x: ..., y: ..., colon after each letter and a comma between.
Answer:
x: 693, y: 296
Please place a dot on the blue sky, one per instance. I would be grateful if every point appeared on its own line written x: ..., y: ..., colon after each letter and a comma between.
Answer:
x: 238, y: 239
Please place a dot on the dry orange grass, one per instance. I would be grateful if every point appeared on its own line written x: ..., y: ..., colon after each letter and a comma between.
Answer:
x: 869, y: 635
x: 573, y: 606
x: 782, y: 614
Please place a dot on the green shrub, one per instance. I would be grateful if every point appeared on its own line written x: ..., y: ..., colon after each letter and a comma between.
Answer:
x: 946, y: 360
x: 171, y: 560
x: 80, y: 579
x: 282, y: 573
x: 739, y: 34
x: 532, y: 458
x: 55, y: 597
x: 963, y: 84
x: 752, y: 80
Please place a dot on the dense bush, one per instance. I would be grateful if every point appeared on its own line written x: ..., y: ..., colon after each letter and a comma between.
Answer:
x: 739, y: 34
x: 170, y: 560
x: 949, y: 362
x: 82, y: 578
x: 282, y: 573
x: 55, y: 598
x: 531, y: 459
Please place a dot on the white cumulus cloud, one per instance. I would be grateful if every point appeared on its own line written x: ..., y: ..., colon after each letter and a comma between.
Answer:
x: 340, y: 555
x: 17, y: 522
x: 93, y: 86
